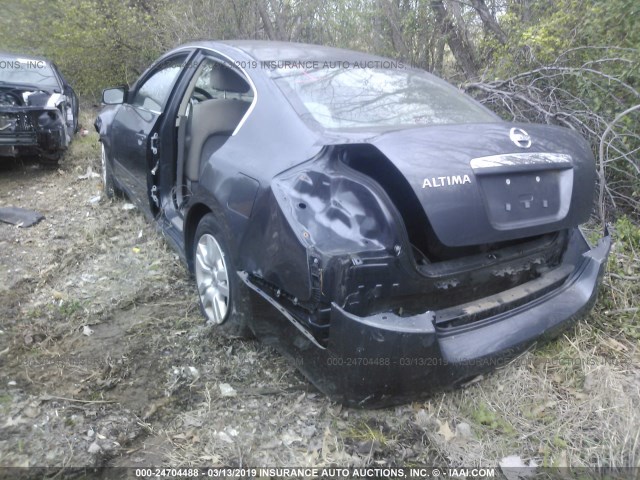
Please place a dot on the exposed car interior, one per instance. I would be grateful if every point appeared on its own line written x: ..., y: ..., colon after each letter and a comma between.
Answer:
x: 213, y: 107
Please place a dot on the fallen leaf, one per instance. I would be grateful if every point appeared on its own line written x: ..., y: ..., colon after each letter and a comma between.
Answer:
x: 227, y: 390
x: 514, y: 468
x: 59, y: 295
x: 94, y: 448
x: 231, y: 431
x: 445, y: 431
x: 512, y: 461
x: 90, y: 174
x: 290, y: 437
x: 193, y: 371
x: 463, y: 430
x: 616, y: 345
x: 224, y: 437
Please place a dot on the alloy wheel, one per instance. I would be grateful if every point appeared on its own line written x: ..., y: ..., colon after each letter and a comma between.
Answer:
x: 212, y: 279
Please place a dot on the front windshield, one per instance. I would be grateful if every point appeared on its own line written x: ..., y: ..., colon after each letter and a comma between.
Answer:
x: 23, y: 70
x: 376, y: 97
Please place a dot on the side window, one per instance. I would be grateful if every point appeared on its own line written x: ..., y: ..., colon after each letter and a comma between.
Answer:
x: 154, y: 92
x: 218, y: 81
x: 59, y: 75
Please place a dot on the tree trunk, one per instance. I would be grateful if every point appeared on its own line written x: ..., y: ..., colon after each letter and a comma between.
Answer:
x: 266, y: 20
x: 438, y: 61
x: 463, y: 56
x: 397, y: 39
x: 489, y: 21
x: 453, y: 6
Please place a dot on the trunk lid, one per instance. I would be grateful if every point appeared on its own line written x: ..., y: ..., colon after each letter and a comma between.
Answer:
x: 487, y: 183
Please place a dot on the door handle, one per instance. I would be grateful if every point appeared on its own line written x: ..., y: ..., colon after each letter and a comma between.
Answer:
x: 154, y: 143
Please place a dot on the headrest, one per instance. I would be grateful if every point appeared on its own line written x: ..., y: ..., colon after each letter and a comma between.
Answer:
x: 223, y: 78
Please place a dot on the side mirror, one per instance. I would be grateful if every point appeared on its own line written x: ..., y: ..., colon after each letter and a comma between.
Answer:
x: 113, y: 96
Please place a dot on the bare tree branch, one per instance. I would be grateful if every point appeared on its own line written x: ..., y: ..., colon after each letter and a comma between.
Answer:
x: 601, y: 157
x: 550, y: 94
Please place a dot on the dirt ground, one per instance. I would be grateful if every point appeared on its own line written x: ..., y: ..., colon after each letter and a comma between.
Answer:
x: 105, y: 361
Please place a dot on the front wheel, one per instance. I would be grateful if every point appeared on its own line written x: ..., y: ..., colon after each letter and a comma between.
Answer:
x: 224, y: 299
x: 50, y: 160
x: 108, y: 185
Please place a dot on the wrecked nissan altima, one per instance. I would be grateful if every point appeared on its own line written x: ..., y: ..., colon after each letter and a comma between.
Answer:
x: 384, y: 231
x: 38, y: 109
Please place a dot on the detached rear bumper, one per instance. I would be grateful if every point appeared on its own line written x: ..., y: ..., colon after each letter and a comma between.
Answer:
x: 384, y: 359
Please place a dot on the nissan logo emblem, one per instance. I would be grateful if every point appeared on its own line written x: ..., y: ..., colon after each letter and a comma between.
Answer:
x: 520, y: 137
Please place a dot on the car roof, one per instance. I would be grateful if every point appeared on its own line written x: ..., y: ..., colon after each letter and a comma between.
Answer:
x: 268, y: 50
x: 24, y: 56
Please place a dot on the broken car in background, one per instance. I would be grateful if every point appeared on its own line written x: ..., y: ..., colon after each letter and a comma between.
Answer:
x: 38, y: 109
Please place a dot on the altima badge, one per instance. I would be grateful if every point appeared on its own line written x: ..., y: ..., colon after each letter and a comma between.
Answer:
x: 520, y: 137
x: 445, y: 181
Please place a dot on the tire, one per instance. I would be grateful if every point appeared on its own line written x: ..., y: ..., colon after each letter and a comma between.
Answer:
x: 75, y: 124
x: 76, y: 113
x: 50, y: 160
x: 224, y: 299
x: 108, y: 185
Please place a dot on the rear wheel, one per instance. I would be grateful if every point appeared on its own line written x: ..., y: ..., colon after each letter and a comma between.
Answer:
x: 224, y: 299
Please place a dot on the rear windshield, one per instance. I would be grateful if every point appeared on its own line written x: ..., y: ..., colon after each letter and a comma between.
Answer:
x: 352, y: 97
x: 30, y: 71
